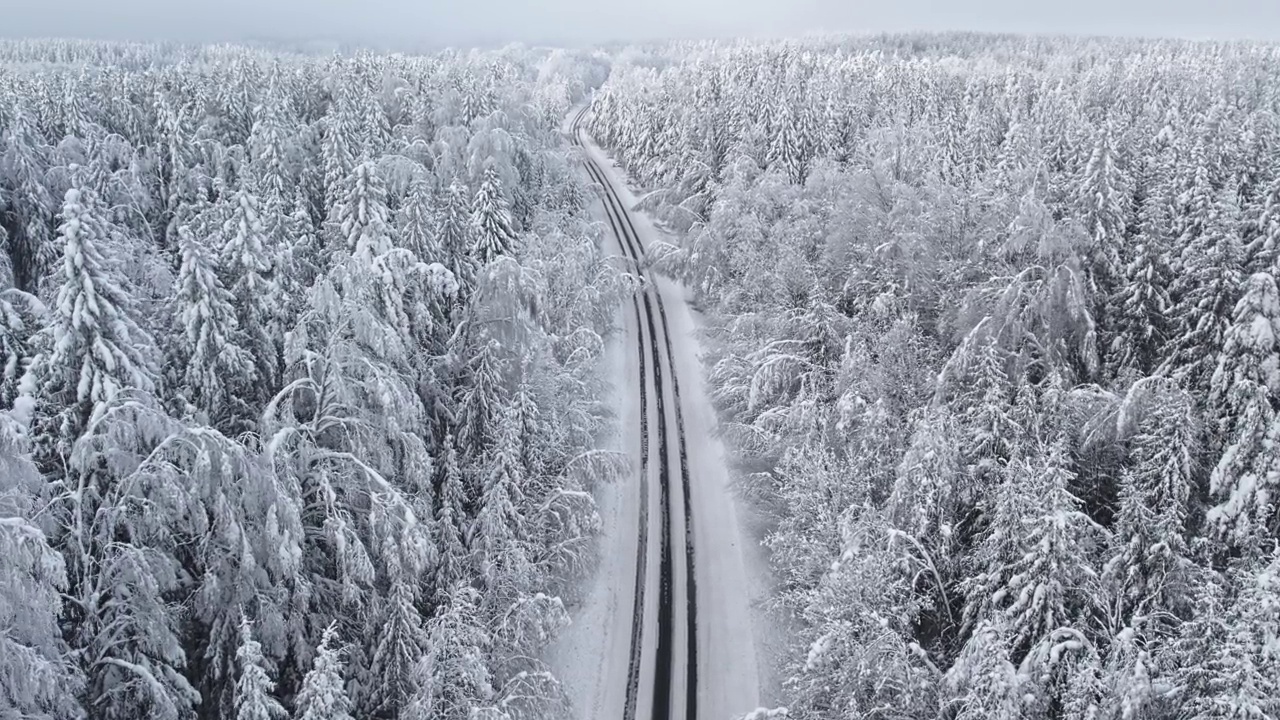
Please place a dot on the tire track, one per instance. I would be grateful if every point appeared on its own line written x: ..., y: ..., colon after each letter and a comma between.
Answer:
x: 634, y: 247
x: 642, y: 546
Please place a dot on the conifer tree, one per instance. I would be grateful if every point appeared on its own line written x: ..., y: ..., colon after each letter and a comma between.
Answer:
x: 1149, y: 566
x: 491, y: 220
x: 210, y: 344
x: 401, y: 641
x: 454, y: 236
x: 93, y: 348
x: 417, y: 227
x: 324, y: 694
x: 37, y: 677
x: 26, y: 215
x: 451, y: 528
x: 253, y: 698
x: 249, y: 269
x: 1244, y: 389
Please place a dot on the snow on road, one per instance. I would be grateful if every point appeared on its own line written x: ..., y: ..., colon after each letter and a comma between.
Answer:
x: 593, y: 656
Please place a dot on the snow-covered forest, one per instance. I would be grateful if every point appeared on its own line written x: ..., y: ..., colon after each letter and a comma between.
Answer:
x: 994, y: 333
x: 299, y: 381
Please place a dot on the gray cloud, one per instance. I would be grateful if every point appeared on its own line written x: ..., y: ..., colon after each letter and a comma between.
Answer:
x: 584, y: 21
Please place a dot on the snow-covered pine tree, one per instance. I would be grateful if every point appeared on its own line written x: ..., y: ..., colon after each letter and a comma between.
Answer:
x: 37, y: 677
x: 1207, y: 283
x: 452, y: 526
x: 249, y: 270
x: 1148, y: 569
x: 360, y: 219
x: 1139, y: 318
x: 454, y: 236
x: 274, y: 177
x: 254, y: 694
x: 209, y: 343
x: 27, y: 214
x: 983, y: 681
x: 339, y: 149
x: 401, y: 641
x: 324, y: 690
x: 1244, y: 390
x: 93, y: 347
x: 417, y: 225
x: 1053, y: 583
x: 786, y: 151
x: 1261, y: 253
x: 490, y: 219
x: 21, y: 315
x: 1103, y: 194
x: 1243, y: 665
x: 454, y: 680
x: 500, y: 533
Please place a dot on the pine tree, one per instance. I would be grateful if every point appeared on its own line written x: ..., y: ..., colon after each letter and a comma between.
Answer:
x: 454, y: 680
x: 1206, y: 285
x: 1251, y: 349
x: 499, y: 535
x: 491, y: 220
x: 324, y: 695
x: 1243, y: 393
x: 454, y: 235
x: 339, y: 151
x: 1262, y: 251
x: 1102, y: 200
x: 1050, y: 585
x: 1141, y: 305
x: 254, y: 688
x: 1148, y: 568
x: 210, y: 344
x: 21, y: 316
x: 983, y: 680
x: 37, y: 679
x: 360, y: 217
x: 417, y: 227
x: 92, y: 348
x: 274, y: 178
x: 401, y: 643
x: 26, y: 216
x: 786, y: 150
x: 1243, y: 679
x: 248, y: 267
x: 451, y: 527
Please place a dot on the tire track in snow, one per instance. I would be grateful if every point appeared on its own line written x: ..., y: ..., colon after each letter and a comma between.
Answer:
x: 629, y: 238
x: 642, y: 546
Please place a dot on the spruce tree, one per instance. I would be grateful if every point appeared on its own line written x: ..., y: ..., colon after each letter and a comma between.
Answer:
x: 491, y: 220
x: 324, y: 694
x: 254, y: 699
x: 92, y: 348
x: 210, y: 344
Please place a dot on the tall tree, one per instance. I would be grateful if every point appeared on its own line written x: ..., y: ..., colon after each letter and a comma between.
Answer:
x: 490, y: 219
x: 254, y: 699
x: 210, y: 344
x: 324, y: 693
x: 93, y: 348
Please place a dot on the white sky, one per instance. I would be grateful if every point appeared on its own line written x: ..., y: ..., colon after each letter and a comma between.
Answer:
x: 579, y: 21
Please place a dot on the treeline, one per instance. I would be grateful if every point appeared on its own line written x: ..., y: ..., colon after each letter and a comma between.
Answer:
x: 299, y: 380
x: 995, y: 333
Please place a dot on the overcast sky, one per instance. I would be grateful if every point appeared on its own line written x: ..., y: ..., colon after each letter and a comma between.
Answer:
x: 585, y: 21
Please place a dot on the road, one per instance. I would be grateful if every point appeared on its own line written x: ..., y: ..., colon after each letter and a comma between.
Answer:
x: 674, y: 637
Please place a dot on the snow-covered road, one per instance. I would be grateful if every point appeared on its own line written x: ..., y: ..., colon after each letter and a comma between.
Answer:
x: 666, y: 629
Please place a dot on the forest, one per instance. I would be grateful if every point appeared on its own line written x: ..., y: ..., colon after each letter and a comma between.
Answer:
x: 299, y: 381
x: 993, y: 333
x: 303, y: 376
